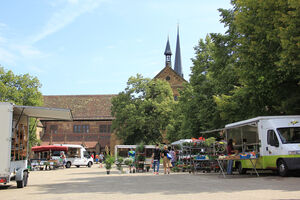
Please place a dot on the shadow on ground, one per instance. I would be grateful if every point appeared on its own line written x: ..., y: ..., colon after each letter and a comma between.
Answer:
x: 169, y: 184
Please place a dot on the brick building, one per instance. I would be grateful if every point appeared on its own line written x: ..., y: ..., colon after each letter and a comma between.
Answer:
x: 173, y: 76
x: 91, y: 125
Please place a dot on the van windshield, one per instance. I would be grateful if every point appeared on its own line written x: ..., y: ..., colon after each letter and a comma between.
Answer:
x: 289, y: 135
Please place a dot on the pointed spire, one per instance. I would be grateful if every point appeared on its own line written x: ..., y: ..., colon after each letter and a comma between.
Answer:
x: 168, y: 54
x: 177, y: 66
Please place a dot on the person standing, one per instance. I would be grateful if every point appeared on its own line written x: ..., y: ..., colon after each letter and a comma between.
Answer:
x: 101, y: 157
x: 63, y: 158
x: 156, y: 159
x: 230, y: 151
x: 166, y: 160
x: 173, y: 154
x: 131, y: 154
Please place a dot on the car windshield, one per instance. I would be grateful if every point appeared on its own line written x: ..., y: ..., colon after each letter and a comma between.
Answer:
x: 289, y: 135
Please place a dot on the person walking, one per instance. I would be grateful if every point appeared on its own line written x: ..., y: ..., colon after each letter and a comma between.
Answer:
x: 156, y: 159
x: 166, y: 160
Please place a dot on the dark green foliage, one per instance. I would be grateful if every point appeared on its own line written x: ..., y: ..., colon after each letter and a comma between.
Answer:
x: 251, y: 70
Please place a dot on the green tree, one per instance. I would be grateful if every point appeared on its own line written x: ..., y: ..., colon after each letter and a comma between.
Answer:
x: 267, y: 60
x: 143, y: 111
x: 21, y: 90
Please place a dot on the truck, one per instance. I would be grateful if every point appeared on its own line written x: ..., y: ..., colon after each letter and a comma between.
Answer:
x: 276, y: 139
x: 14, y: 138
x: 76, y: 155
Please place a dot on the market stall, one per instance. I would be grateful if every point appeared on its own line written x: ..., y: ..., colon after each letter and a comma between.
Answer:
x: 47, y: 157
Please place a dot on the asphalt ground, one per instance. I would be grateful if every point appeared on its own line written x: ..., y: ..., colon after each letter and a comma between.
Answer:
x: 93, y: 183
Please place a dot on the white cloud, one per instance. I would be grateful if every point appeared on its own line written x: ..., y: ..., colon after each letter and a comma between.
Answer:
x: 65, y: 16
x: 28, y: 51
x: 7, y: 57
x: 111, y: 47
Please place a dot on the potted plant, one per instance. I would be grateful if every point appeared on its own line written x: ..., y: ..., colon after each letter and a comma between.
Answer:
x: 119, y: 164
x: 128, y: 162
x: 109, y: 160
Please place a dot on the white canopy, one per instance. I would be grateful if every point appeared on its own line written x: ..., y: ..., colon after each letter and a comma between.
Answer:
x: 181, y: 141
x: 44, y: 113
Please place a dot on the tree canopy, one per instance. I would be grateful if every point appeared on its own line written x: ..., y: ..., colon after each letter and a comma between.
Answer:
x: 142, y: 111
x: 21, y: 90
x: 251, y: 70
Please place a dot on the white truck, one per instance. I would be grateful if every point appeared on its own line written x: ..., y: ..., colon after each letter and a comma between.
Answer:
x: 275, y: 138
x: 14, y: 138
x: 77, y: 156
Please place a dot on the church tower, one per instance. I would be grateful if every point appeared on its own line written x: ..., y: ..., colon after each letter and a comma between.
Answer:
x: 168, y: 54
x: 177, y: 66
x: 173, y: 76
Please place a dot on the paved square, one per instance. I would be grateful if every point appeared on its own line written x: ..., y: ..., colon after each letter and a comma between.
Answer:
x: 93, y: 183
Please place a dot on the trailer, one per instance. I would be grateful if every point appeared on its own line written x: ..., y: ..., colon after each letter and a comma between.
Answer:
x: 276, y: 139
x: 14, y: 138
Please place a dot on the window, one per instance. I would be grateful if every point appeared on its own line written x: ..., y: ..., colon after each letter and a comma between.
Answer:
x: 289, y: 135
x: 53, y: 128
x: 168, y: 78
x: 86, y: 128
x: 272, y: 138
x: 77, y: 129
x: 81, y: 128
x: 103, y: 128
x: 175, y: 97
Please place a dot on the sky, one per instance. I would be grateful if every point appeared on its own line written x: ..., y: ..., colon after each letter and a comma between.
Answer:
x: 77, y: 47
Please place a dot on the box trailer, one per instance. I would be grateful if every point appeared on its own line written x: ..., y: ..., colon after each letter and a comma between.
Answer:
x: 14, y: 138
x: 275, y: 138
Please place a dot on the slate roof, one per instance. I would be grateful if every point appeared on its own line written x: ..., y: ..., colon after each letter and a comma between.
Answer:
x: 177, y: 66
x: 168, y: 49
x: 83, y: 107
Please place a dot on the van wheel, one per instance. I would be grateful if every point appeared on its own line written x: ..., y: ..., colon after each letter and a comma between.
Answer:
x: 23, y: 183
x: 68, y: 165
x: 77, y: 166
x: 282, y: 168
x: 89, y: 164
x: 241, y: 170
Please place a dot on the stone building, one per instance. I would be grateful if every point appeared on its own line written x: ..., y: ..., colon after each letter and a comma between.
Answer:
x: 173, y: 76
x: 91, y: 125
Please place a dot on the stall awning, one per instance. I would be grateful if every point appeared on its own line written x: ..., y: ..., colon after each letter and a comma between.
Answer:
x: 48, y: 148
x: 44, y: 113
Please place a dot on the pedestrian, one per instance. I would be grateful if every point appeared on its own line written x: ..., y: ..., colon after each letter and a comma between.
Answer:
x: 101, y: 157
x: 156, y: 159
x: 230, y: 151
x: 63, y: 158
x: 173, y: 154
x: 131, y: 154
x: 166, y: 160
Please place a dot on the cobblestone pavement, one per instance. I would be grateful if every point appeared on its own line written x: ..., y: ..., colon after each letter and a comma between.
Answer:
x: 93, y: 183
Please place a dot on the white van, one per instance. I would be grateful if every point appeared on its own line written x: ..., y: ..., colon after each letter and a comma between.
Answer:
x: 275, y: 138
x: 77, y: 156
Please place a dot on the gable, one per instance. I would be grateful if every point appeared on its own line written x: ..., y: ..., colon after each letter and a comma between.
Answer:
x: 170, y: 76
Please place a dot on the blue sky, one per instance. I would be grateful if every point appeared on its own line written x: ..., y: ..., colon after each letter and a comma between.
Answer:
x: 94, y: 46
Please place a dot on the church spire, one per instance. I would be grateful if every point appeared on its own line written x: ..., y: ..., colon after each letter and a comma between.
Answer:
x: 177, y: 66
x: 168, y: 54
